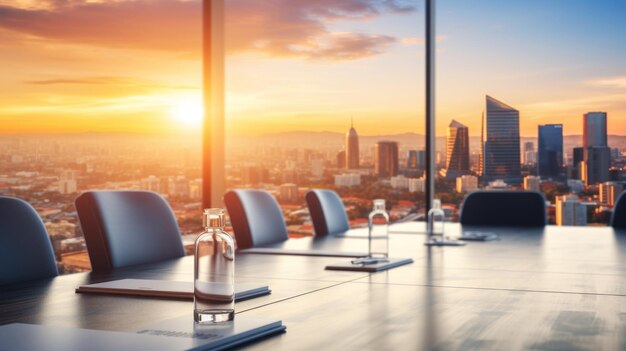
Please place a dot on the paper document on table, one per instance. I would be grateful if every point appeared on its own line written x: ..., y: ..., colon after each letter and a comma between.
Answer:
x: 166, y: 288
x: 177, y: 334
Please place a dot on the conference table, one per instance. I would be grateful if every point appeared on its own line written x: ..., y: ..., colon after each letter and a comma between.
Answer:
x: 552, y: 288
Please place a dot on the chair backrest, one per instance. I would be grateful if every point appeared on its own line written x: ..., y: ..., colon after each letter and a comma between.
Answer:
x: 618, y: 218
x: 125, y: 228
x: 504, y: 208
x: 327, y: 212
x: 25, y: 249
x: 256, y: 218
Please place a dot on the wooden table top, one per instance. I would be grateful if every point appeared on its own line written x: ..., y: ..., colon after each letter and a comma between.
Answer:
x: 556, y: 288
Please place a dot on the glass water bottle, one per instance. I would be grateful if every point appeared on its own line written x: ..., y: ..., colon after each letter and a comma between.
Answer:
x: 378, y: 230
x: 214, y: 271
x: 436, y: 218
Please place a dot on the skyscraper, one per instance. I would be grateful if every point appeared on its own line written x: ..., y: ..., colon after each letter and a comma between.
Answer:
x: 386, y: 159
x: 594, y: 129
x: 529, y: 156
x: 352, y: 148
x: 501, y: 142
x: 550, y: 156
x: 457, y: 150
x: 596, y: 153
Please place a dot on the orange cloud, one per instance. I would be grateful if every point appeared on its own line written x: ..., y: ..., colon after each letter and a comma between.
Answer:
x: 281, y: 28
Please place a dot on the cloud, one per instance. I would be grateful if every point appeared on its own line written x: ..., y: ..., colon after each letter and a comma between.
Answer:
x: 277, y: 28
x: 142, y: 24
x: 422, y: 40
x: 611, y: 82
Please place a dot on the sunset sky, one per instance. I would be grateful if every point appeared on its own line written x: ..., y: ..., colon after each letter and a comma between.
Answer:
x: 135, y: 65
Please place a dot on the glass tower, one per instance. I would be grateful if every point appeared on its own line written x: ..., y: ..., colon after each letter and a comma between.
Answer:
x: 457, y: 150
x: 596, y: 153
x: 501, y: 142
x: 550, y: 156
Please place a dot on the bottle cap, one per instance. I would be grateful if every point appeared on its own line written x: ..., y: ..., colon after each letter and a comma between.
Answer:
x: 379, y: 204
x: 213, y: 218
x: 436, y: 203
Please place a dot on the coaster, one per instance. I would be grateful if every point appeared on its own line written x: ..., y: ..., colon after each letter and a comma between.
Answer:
x: 374, y: 267
x: 445, y: 242
x: 478, y: 236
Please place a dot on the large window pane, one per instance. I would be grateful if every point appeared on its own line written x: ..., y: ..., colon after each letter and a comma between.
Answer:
x: 299, y: 76
x: 99, y: 95
x: 527, y: 79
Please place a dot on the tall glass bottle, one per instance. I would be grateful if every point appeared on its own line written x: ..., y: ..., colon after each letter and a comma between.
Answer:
x: 436, y: 218
x: 214, y: 271
x: 378, y: 225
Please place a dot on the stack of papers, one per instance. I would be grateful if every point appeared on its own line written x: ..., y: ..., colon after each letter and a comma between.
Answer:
x: 165, y: 288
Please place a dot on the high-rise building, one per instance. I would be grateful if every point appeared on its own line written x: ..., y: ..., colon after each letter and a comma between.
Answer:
x: 532, y: 183
x: 416, y: 159
x: 386, y: 159
x: 596, y: 153
x: 595, y: 167
x: 411, y: 159
x: 550, y: 155
x: 529, y: 156
x: 352, y: 148
x: 577, y: 159
x: 457, y: 150
x: 341, y: 159
x: 594, y: 129
x: 289, y: 193
x: 609, y: 192
x: 466, y: 183
x: 569, y: 211
x: 501, y: 142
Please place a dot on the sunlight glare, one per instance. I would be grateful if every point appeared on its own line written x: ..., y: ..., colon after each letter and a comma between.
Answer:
x: 188, y: 111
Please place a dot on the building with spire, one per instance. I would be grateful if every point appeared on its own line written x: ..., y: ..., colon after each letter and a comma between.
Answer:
x: 457, y: 150
x: 501, y: 142
x: 352, y: 148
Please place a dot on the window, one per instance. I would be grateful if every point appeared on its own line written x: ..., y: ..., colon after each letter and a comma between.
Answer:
x: 525, y: 92
x: 100, y: 95
x: 326, y: 94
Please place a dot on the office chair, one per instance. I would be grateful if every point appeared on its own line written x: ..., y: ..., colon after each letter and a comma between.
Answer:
x: 327, y: 212
x: 256, y: 218
x: 125, y: 228
x: 504, y: 208
x: 25, y: 250
x: 618, y: 217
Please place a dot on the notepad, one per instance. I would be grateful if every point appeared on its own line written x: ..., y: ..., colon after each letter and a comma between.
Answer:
x: 177, y: 334
x: 373, y: 267
x: 165, y: 288
x: 478, y: 236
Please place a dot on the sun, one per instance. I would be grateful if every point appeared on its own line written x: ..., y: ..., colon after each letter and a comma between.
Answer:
x: 187, y: 111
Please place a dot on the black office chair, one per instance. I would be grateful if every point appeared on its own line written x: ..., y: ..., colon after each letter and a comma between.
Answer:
x: 618, y: 218
x: 327, y: 212
x: 256, y: 218
x: 25, y: 250
x: 125, y: 228
x: 504, y: 208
